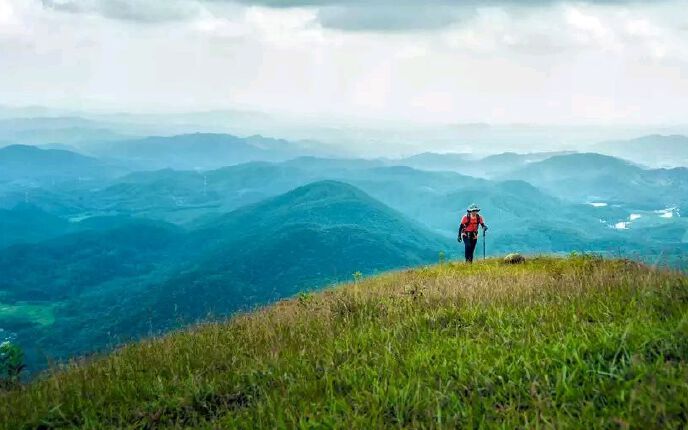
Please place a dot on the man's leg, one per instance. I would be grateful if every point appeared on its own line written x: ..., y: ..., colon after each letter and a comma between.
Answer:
x: 474, y: 242
x: 467, y: 248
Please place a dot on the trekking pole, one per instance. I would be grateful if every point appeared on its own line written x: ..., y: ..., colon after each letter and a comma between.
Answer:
x: 483, y: 244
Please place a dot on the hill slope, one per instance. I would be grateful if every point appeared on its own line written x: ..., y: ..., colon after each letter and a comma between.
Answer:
x: 314, y: 235
x: 29, y: 163
x: 576, y: 342
x: 592, y: 177
x: 26, y: 223
x: 120, y: 282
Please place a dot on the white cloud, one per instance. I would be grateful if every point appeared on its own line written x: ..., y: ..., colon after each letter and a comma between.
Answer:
x: 10, y: 22
x: 130, y: 10
x: 564, y: 62
x: 6, y: 12
x: 291, y: 27
x: 588, y: 29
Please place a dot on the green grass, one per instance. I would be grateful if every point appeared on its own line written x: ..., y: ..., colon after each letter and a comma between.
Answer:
x: 565, y: 343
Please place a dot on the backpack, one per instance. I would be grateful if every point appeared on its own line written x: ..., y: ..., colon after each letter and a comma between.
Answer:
x: 478, y: 222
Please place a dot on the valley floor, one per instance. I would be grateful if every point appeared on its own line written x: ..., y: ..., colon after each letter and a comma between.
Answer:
x: 574, y: 342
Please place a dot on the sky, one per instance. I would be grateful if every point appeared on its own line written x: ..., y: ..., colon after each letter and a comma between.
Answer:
x: 430, y: 61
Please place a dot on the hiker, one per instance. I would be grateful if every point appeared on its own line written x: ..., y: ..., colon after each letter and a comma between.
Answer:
x: 468, y: 230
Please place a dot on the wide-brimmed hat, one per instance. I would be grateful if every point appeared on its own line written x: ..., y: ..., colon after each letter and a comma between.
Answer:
x: 473, y: 208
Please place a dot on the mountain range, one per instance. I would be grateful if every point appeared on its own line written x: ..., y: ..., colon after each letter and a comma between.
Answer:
x: 654, y: 150
x: 589, y: 177
x: 34, y: 166
x: 196, y: 151
x: 140, y: 236
x: 146, y: 276
x: 490, y: 166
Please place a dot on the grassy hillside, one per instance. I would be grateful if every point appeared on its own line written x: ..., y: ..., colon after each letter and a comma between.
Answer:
x: 577, y: 342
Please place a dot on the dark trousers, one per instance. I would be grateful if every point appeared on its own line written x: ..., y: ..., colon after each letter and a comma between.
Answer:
x: 469, y: 242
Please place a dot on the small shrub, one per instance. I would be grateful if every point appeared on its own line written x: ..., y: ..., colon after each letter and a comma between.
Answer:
x: 11, y: 364
x: 305, y: 298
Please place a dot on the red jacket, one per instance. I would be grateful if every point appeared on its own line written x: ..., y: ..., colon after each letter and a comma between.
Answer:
x: 471, y: 224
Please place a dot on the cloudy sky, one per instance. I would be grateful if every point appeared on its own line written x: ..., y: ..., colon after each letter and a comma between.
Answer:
x: 500, y: 61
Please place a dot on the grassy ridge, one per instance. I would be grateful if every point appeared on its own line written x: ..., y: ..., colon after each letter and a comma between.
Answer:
x: 576, y: 342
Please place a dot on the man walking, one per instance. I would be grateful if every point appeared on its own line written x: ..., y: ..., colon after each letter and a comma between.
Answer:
x: 468, y: 230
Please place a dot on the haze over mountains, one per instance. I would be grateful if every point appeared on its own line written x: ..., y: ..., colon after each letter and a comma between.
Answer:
x: 112, y: 235
x: 343, y: 137
x: 653, y: 150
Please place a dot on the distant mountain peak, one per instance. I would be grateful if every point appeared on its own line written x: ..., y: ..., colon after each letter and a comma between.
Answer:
x: 31, y: 149
x: 654, y: 150
x: 326, y: 189
x: 590, y: 158
x: 21, y: 148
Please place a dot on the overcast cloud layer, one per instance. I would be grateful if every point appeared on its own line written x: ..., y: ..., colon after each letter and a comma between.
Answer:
x: 439, y: 61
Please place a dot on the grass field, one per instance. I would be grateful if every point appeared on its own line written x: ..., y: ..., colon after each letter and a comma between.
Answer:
x: 553, y: 343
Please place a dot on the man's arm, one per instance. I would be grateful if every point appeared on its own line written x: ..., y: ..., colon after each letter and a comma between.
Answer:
x: 461, y: 227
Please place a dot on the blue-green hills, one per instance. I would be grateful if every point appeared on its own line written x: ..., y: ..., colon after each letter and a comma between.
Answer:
x: 139, y: 277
